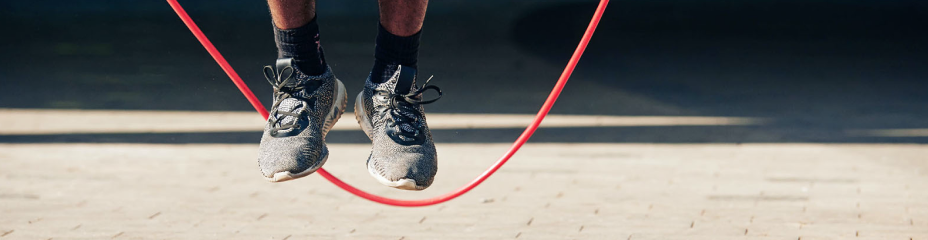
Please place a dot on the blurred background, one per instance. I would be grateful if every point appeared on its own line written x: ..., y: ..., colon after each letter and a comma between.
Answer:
x: 809, y: 71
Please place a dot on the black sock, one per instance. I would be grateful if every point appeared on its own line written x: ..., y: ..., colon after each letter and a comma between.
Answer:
x: 301, y: 44
x: 392, y: 50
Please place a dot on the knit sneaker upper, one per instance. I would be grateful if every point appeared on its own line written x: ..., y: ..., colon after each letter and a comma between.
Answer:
x: 293, y: 139
x: 402, y: 143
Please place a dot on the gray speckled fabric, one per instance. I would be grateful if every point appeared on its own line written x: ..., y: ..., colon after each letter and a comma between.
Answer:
x: 305, y: 150
x: 390, y: 159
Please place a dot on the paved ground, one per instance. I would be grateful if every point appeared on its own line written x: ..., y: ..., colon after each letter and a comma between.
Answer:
x: 548, y: 191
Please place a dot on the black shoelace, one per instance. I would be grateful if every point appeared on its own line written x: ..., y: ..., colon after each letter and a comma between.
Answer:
x: 281, y: 82
x: 404, y: 114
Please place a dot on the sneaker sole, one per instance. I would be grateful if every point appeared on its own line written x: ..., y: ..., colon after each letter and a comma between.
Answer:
x: 334, y: 114
x: 365, y: 122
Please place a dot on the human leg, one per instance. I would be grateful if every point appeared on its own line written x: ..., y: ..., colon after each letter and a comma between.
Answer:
x: 296, y: 33
x: 389, y: 108
x: 308, y: 99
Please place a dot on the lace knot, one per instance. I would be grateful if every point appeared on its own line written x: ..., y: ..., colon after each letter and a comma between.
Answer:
x: 404, y: 111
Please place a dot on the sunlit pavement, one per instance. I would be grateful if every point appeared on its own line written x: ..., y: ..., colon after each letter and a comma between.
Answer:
x: 548, y: 191
x: 91, y: 189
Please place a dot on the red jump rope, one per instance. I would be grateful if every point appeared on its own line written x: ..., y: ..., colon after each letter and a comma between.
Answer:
x: 399, y: 202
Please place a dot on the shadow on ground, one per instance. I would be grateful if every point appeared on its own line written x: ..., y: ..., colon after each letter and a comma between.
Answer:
x: 677, y: 134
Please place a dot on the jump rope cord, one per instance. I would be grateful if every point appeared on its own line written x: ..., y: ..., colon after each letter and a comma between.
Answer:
x: 558, y: 87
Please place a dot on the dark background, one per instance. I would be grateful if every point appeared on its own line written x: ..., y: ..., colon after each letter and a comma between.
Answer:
x: 816, y: 69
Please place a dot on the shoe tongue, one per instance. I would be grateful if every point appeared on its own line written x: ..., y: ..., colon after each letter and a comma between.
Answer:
x: 298, y: 78
x: 406, y: 80
x: 403, y: 82
x: 289, y: 105
x: 292, y: 105
x: 283, y: 63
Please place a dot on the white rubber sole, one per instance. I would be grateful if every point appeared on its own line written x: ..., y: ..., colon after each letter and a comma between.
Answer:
x: 365, y: 122
x: 287, y: 176
x: 338, y: 108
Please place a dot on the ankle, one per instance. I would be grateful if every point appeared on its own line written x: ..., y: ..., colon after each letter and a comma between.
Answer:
x: 392, y: 50
x: 302, y: 44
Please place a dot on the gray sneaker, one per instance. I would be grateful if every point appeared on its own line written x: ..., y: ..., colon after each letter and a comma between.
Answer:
x: 305, y: 108
x: 391, y: 114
